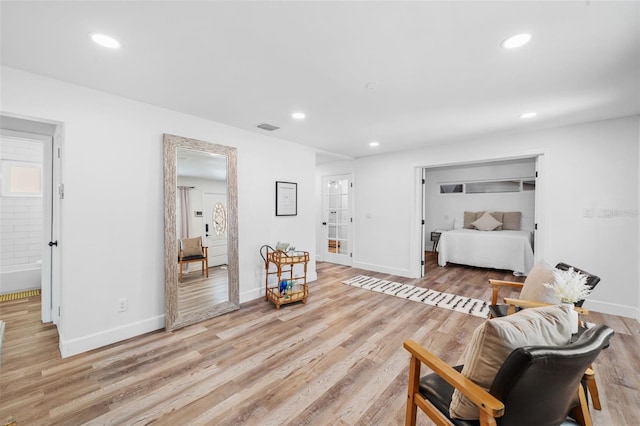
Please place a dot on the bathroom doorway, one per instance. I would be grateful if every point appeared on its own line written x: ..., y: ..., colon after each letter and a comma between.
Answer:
x: 31, y: 193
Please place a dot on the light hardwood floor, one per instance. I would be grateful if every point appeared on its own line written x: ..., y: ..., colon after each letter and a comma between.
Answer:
x: 336, y: 360
x: 195, y: 291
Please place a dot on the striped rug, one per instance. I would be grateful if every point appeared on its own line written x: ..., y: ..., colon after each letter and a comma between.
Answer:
x: 19, y: 295
x: 475, y: 307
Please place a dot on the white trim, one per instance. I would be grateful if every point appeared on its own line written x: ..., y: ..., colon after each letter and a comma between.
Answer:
x: 384, y: 269
x: 107, y: 337
x: 627, y: 311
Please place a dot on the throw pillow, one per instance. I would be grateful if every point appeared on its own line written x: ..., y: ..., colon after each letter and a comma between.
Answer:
x: 499, y: 217
x: 511, y: 221
x: 468, y: 218
x: 486, y: 223
x: 191, y: 247
x: 495, y: 339
x: 533, y: 288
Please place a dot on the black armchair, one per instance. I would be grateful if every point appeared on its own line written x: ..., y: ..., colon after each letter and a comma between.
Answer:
x: 536, y: 385
x: 512, y: 305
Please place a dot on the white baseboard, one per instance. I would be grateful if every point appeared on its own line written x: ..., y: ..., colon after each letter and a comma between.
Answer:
x: 613, y: 309
x: 383, y: 269
x: 86, y: 343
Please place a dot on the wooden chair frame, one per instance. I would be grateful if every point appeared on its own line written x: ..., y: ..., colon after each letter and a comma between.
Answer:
x: 204, y: 260
x: 489, y: 407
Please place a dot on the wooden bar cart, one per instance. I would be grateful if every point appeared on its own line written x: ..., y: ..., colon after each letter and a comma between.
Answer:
x: 284, y: 263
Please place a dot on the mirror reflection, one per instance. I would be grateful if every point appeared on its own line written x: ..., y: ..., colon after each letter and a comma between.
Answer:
x: 201, y: 231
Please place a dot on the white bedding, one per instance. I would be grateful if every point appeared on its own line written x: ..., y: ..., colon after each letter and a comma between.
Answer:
x: 509, y: 250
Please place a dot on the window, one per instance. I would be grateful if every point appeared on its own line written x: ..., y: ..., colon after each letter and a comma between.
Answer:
x: 489, y: 187
x: 21, y: 179
x: 451, y: 189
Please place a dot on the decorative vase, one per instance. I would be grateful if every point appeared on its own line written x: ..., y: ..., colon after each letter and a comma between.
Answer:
x: 574, y: 317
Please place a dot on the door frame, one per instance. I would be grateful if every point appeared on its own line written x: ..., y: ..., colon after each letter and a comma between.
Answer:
x: 53, y: 192
x: 325, y: 255
x: 541, y: 157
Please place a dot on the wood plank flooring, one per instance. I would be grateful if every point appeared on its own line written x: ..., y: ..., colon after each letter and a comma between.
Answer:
x: 338, y: 360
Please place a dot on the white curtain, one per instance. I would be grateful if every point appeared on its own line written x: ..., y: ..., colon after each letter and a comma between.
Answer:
x: 185, y: 206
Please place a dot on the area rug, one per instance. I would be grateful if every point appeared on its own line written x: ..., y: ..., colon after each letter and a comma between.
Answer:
x: 19, y: 295
x: 475, y: 307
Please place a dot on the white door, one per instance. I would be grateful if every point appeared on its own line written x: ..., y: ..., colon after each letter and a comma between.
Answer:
x: 337, y: 219
x: 215, y: 228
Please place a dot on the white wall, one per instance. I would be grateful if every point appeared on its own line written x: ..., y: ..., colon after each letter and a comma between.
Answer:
x: 200, y: 186
x: 442, y: 209
x: 113, y: 206
x: 589, y: 166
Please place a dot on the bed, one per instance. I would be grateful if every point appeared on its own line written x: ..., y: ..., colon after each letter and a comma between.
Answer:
x: 506, y: 249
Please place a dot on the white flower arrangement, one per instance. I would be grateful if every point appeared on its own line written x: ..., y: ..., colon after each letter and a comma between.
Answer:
x: 570, y: 286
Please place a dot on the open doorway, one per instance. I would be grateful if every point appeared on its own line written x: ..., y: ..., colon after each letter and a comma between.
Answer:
x: 31, y: 154
x: 448, y: 191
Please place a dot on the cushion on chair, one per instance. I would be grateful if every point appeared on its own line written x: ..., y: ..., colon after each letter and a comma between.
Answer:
x: 438, y: 392
x: 191, y: 247
x: 486, y: 222
x: 511, y: 221
x: 495, y: 339
x: 534, y: 289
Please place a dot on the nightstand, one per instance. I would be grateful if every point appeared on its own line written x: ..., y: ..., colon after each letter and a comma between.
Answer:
x: 435, y: 237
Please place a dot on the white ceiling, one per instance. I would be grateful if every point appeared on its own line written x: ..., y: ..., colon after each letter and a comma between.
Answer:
x: 442, y: 74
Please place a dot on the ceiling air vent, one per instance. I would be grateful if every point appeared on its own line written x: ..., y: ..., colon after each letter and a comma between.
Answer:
x: 269, y: 127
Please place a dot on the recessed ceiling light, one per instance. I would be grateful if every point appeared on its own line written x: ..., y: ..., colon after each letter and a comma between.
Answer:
x: 516, y: 41
x: 374, y: 144
x: 528, y: 114
x: 298, y: 115
x: 105, y: 41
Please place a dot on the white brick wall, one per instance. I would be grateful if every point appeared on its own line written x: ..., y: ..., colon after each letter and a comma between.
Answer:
x: 20, y: 217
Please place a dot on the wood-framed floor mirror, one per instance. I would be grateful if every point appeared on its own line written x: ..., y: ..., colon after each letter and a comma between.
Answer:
x: 200, y: 230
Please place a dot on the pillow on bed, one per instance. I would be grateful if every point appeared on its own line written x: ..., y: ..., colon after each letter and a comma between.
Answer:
x: 511, y: 221
x: 470, y: 217
x: 458, y: 222
x: 499, y: 217
x: 486, y: 223
x: 493, y: 341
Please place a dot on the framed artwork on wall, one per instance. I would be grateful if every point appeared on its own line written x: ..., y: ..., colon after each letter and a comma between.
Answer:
x: 286, y: 198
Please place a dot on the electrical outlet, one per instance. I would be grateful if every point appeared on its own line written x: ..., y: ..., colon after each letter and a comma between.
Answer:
x: 123, y: 304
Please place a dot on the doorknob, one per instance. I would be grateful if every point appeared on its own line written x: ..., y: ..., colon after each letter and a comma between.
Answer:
x: 324, y: 223
x: 53, y: 243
